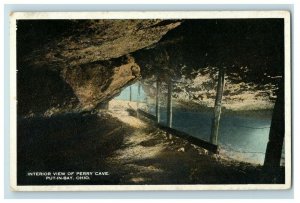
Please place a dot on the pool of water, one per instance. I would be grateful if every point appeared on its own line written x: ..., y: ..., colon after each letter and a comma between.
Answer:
x: 135, y: 96
x: 243, y: 138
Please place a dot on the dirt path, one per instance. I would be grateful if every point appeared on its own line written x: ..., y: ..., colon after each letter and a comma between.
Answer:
x: 145, y: 144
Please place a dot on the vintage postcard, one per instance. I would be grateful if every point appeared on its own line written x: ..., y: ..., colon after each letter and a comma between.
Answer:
x: 150, y: 100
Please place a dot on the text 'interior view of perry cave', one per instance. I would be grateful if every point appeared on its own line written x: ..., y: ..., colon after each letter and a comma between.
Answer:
x: 150, y: 101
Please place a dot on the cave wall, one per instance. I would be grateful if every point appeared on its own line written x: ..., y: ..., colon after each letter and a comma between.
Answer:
x: 75, y: 65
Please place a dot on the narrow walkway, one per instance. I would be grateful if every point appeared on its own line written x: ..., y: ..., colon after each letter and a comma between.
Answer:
x: 148, y: 157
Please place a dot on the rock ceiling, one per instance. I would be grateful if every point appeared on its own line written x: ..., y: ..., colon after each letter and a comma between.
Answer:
x: 67, y: 64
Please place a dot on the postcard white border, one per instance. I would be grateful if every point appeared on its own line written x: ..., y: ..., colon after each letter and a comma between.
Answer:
x: 150, y: 15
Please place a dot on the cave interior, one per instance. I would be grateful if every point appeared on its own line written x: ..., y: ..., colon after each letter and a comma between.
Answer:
x: 81, y: 84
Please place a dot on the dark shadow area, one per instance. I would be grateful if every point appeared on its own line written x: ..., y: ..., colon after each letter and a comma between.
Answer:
x: 68, y: 142
x: 179, y: 168
x: 46, y: 88
x: 255, y: 44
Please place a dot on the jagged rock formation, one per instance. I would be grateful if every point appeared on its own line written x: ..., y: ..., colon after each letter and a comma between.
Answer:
x: 200, y: 91
x: 97, y: 82
x: 251, y: 51
x: 67, y: 64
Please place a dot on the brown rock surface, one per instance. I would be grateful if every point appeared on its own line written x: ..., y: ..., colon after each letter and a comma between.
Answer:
x: 89, y: 56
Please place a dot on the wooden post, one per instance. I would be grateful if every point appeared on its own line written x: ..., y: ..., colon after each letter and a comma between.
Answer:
x: 139, y: 89
x: 157, y: 108
x: 276, y: 138
x: 169, y: 104
x: 130, y: 94
x: 218, y: 107
x: 139, y: 95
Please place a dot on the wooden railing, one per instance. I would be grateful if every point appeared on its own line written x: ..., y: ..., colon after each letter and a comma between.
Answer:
x: 196, y: 141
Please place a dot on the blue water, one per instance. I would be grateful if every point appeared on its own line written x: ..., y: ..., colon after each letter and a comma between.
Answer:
x: 125, y: 94
x: 241, y: 137
x: 239, y: 132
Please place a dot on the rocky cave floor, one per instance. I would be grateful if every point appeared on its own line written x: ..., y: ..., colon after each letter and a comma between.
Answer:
x: 129, y: 148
